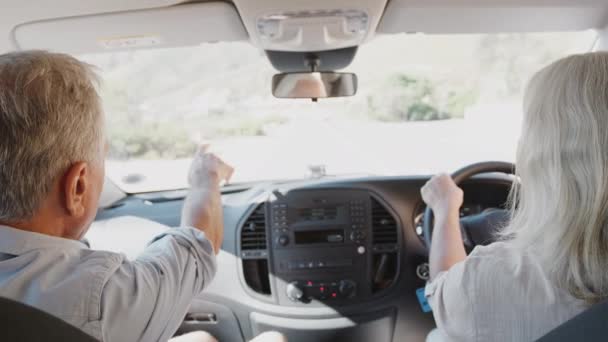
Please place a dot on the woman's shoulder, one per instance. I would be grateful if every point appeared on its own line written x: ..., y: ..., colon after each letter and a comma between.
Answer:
x: 508, y: 284
x: 476, y: 294
x: 494, y: 271
x: 502, y: 259
x: 500, y: 251
x: 487, y: 267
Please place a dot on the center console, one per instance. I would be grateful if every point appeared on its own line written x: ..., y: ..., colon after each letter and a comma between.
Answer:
x: 328, y: 246
x: 320, y: 245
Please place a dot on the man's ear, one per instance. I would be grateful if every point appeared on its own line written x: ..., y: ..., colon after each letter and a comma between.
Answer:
x: 76, y: 189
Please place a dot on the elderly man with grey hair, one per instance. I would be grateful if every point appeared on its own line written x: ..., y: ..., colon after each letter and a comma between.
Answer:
x: 52, y: 150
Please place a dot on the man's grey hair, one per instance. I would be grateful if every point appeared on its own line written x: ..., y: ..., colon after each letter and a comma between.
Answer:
x: 50, y: 118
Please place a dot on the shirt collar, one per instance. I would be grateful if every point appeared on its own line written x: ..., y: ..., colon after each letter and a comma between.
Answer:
x: 16, y: 241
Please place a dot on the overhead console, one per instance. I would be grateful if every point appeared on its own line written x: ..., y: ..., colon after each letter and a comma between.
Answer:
x: 312, y: 25
x: 311, y: 247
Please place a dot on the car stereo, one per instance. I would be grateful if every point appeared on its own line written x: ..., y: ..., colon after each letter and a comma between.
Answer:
x: 320, y: 245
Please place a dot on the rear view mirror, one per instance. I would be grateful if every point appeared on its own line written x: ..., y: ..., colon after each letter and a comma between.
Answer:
x: 314, y: 85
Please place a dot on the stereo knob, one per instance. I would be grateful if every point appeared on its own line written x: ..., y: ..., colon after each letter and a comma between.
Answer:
x: 294, y: 292
x: 346, y: 288
x: 283, y: 240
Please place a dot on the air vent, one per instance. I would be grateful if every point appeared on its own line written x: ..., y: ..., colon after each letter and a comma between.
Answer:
x: 253, y: 251
x: 253, y: 233
x: 384, y: 225
x: 385, y: 247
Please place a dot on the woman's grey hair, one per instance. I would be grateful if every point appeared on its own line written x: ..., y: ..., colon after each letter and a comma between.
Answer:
x: 560, y: 208
x: 50, y: 117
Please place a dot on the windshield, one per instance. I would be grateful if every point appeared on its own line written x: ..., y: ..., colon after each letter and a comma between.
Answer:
x: 425, y: 104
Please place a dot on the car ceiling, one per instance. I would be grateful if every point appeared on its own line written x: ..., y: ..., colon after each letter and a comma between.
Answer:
x: 78, y: 26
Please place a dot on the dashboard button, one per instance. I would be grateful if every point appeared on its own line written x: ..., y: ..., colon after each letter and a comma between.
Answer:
x: 294, y: 292
x: 283, y: 240
x: 346, y: 288
x: 323, y: 291
x: 335, y: 238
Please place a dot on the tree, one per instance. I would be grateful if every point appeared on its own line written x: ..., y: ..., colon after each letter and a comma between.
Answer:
x: 408, y: 98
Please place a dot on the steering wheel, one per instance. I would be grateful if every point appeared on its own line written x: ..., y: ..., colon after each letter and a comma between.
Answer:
x: 475, y: 229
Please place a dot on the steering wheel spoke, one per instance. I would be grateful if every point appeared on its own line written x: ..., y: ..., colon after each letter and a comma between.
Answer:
x: 482, y: 229
x: 466, y: 240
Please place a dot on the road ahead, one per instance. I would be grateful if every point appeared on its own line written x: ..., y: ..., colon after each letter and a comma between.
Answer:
x: 344, y: 147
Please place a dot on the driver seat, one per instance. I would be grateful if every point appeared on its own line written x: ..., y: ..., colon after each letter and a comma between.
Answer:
x: 590, y: 326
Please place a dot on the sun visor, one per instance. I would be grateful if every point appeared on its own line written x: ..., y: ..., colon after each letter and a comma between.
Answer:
x: 498, y: 16
x: 181, y: 25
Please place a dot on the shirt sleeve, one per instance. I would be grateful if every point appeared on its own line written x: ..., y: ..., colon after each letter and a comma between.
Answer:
x: 147, y: 299
x: 450, y: 296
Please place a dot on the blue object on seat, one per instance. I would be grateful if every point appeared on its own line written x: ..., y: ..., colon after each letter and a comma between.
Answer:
x: 424, y: 304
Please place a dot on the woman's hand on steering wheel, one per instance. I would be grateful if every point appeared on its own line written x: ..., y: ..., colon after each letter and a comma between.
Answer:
x: 442, y: 195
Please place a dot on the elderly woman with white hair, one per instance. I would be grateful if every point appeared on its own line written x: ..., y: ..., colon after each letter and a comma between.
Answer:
x: 550, y: 262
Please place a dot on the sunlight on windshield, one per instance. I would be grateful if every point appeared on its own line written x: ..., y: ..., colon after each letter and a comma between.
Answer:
x: 426, y: 103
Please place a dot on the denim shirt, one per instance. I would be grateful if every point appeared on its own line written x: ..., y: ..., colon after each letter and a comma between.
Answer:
x: 103, y: 293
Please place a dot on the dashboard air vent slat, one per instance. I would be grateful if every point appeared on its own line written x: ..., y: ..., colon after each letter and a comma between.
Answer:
x: 253, y: 232
x: 384, y: 225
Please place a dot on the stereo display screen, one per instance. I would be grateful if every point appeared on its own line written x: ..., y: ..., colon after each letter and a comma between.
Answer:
x: 318, y: 214
x: 319, y: 236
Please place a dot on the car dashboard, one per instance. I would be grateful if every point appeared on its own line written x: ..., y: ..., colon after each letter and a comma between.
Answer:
x: 319, y: 260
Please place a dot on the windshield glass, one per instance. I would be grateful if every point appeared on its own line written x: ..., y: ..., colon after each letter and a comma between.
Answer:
x: 425, y: 104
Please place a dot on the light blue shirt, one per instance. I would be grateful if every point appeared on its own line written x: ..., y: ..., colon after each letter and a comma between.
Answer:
x: 103, y: 293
